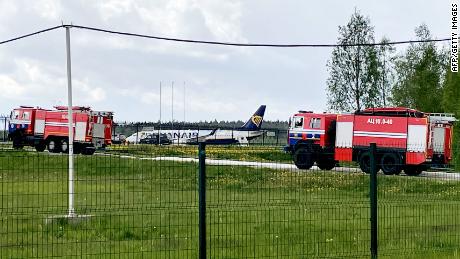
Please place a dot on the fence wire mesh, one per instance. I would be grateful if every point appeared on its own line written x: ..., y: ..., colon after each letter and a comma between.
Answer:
x: 136, y: 205
x: 148, y: 133
x: 142, y: 201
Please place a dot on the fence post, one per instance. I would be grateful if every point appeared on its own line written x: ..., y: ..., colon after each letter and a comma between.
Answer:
x: 373, y: 199
x: 137, y: 133
x: 277, y: 136
x: 202, y: 199
x: 5, y: 130
x: 114, y: 129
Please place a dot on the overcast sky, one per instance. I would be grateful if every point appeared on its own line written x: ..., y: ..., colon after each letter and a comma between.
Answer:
x: 123, y: 74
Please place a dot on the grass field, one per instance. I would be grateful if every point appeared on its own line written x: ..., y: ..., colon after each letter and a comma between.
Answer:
x: 245, y: 153
x: 259, y: 153
x: 142, y: 208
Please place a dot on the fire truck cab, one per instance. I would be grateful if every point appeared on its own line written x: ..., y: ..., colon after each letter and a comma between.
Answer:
x: 311, y: 138
x: 48, y: 129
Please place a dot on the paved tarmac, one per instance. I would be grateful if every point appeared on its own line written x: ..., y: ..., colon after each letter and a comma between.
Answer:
x: 441, y: 175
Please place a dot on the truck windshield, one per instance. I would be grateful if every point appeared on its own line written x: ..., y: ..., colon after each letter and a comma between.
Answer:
x: 297, y: 122
x: 15, y: 114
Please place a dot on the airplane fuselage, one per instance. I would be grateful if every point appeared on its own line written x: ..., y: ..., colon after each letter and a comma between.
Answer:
x: 249, y: 130
x: 195, y: 136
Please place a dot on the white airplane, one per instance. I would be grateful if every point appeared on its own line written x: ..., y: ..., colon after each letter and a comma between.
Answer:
x: 175, y: 136
x: 250, y: 130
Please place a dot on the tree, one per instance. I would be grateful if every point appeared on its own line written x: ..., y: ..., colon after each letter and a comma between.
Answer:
x: 451, y: 93
x: 451, y: 103
x: 386, y: 72
x: 353, y: 70
x: 419, y: 73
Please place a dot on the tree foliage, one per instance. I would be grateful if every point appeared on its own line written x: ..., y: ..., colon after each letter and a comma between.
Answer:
x: 451, y: 103
x: 419, y: 73
x: 451, y: 92
x: 386, y: 72
x: 354, y: 70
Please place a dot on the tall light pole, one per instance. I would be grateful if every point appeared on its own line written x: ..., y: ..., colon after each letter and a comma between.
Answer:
x: 71, y: 216
x: 71, y: 212
x: 159, y: 127
x: 184, y: 103
x: 172, y: 105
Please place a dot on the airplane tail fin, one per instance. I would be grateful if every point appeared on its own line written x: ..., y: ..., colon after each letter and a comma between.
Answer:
x: 255, y: 122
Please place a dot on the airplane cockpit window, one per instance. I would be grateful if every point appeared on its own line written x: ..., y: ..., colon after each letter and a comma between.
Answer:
x: 298, y: 122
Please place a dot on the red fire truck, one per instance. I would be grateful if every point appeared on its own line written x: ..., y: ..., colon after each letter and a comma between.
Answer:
x: 406, y: 139
x: 48, y: 129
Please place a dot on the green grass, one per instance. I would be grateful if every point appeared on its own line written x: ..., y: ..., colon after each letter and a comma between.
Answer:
x: 144, y: 208
x: 245, y: 153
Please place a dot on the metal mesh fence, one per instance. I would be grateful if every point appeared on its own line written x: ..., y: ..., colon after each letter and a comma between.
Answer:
x: 272, y: 209
x: 143, y: 201
x: 418, y: 205
x: 148, y: 134
x: 128, y: 206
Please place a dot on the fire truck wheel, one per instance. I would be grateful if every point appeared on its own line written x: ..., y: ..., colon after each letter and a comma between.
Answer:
x: 64, y: 146
x: 303, y: 158
x: 326, y: 163
x: 17, y: 144
x: 76, y: 148
x: 53, y: 147
x: 40, y: 147
x: 365, y: 162
x: 413, y: 170
x: 88, y: 151
x: 391, y: 163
